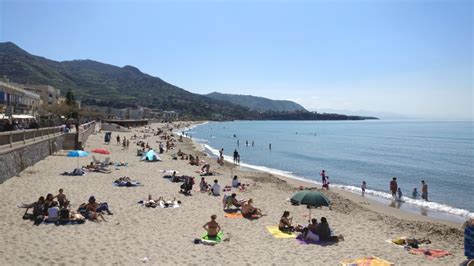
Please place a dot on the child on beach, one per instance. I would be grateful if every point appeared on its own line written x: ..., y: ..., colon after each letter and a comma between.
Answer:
x: 363, y: 187
x: 400, y: 194
x: 63, y: 202
x: 414, y: 193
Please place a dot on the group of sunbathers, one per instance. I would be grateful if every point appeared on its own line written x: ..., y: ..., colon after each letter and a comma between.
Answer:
x: 56, y: 209
x: 313, y: 232
x: 153, y: 203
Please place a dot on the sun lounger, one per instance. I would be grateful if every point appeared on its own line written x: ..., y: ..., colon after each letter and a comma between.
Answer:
x: 95, y: 160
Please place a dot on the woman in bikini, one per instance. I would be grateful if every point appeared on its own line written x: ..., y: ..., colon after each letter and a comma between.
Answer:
x: 285, y: 224
x: 212, y: 227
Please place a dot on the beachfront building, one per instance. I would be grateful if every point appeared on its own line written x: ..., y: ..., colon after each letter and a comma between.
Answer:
x: 48, y: 94
x: 16, y: 100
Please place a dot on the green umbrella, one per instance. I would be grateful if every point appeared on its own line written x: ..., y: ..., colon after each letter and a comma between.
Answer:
x: 310, y: 199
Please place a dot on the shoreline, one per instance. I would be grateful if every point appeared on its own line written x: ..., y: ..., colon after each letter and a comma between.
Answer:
x: 369, y: 202
x: 166, y: 236
x: 412, y: 210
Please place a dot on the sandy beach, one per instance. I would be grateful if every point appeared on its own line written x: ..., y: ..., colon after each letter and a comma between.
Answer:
x: 166, y: 236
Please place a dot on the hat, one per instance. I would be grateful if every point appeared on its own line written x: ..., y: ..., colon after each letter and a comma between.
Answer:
x: 91, y: 198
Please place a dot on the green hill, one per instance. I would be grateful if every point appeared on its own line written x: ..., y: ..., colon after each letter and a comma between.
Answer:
x: 258, y: 103
x: 96, y: 83
x: 107, y: 85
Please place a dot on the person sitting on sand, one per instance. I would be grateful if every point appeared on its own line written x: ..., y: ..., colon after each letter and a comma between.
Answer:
x: 215, y: 189
x: 309, y: 233
x: 206, y: 168
x: 212, y: 228
x: 53, y: 212
x: 92, y: 214
x: 48, y: 202
x: 285, y: 223
x: 203, y: 186
x: 235, y: 182
x: 98, y: 207
x: 232, y: 199
x: 324, y: 232
x: 63, y: 202
x: 249, y: 211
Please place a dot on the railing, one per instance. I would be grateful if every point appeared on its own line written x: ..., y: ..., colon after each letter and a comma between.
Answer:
x: 12, y: 139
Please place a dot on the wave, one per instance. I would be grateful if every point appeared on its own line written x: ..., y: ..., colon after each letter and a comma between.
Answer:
x: 379, y: 194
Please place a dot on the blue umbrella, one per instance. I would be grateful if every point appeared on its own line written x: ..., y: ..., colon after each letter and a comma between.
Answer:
x: 77, y: 154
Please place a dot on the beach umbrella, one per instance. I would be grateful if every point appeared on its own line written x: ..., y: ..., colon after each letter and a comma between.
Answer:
x: 101, y: 151
x: 77, y: 154
x: 310, y: 199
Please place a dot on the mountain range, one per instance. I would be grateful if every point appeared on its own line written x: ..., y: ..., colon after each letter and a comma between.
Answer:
x: 258, y: 103
x: 96, y: 83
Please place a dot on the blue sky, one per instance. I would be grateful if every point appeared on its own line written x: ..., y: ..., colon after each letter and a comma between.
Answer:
x: 408, y: 57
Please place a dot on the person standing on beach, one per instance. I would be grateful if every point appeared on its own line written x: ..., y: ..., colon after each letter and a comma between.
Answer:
x: 118, y: 139
x: 424, y: 190
x: 394, y: 187
x: 323, y: 177
x: 236, y: 155
x: 363, y: 187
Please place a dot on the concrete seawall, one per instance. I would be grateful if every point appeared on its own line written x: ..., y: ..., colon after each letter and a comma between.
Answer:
x: 15, y: 161
x: 21, y: 156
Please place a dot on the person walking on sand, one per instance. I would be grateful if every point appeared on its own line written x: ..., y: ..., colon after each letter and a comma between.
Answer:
x: 424, y: 190
x: 363, y: 187
x: 118, y: 139
x: 394, y: 187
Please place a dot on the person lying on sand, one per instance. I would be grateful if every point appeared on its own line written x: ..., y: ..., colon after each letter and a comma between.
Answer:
x: 168, y: 203
x: 249, y: 211
x: 212, y: 228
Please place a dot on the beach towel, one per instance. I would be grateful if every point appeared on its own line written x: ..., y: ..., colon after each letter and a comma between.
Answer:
x: 212, y: 240
x: 430, y: 253
x: 276, y: 233
x: 366, y: 261
x: 233, y: 215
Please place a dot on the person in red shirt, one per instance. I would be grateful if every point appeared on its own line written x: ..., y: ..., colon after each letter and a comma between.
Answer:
x: 393, y: 187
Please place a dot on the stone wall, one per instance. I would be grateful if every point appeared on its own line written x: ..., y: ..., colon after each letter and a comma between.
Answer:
x: 13, y: 162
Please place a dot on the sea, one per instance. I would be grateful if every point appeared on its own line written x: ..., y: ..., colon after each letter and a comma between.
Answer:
x: 441, y: 153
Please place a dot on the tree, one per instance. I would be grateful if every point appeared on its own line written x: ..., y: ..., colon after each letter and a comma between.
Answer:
x: 70, y: 98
